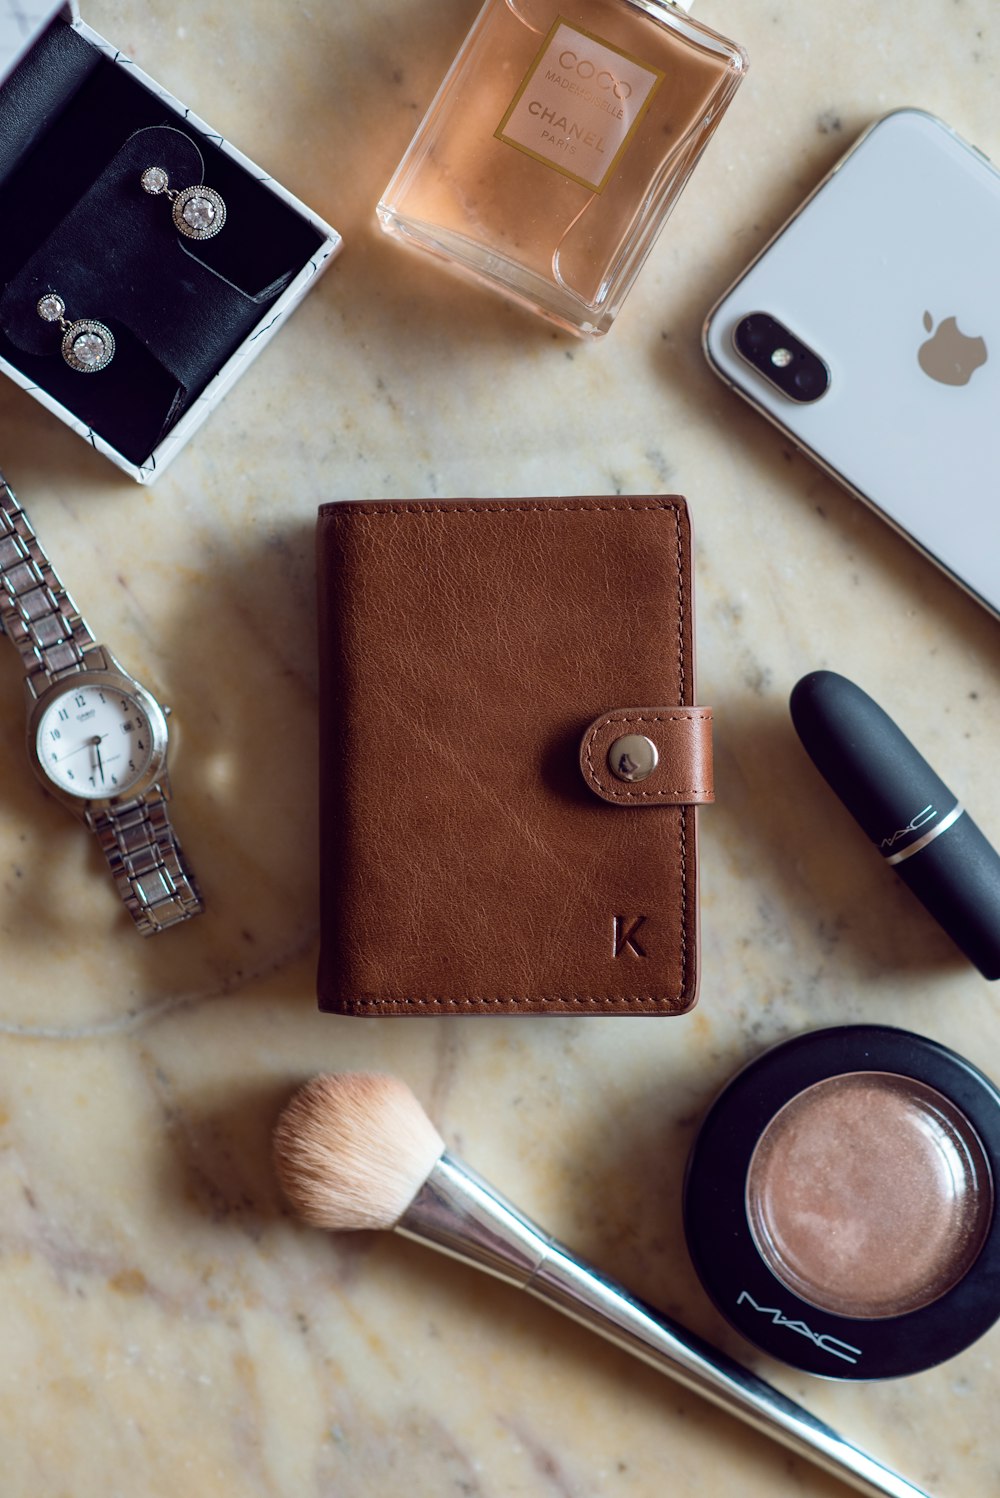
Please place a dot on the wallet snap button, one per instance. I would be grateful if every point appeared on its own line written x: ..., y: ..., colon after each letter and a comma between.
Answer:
x: 632, y: 757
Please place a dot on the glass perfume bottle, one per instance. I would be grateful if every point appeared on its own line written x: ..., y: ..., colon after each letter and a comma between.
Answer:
x: 557, y: 145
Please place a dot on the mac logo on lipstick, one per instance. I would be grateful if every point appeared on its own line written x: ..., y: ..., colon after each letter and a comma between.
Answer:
x: 825, y: 1343
x: 915, y: 823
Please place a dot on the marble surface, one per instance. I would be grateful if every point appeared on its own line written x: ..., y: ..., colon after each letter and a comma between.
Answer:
x: 165, y: 1326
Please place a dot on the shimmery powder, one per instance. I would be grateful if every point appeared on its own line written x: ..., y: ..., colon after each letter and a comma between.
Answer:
x: 869, y: 1195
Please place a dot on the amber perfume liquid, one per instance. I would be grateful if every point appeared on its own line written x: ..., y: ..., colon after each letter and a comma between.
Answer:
x: 557, y: 145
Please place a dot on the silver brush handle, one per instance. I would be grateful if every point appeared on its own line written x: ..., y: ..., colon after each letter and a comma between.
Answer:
x: 460, y: 1214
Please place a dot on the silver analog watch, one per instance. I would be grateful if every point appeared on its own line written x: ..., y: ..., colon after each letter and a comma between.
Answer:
x: 96, y: 738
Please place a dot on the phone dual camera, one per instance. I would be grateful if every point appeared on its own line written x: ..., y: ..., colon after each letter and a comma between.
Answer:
x: 784, y: 360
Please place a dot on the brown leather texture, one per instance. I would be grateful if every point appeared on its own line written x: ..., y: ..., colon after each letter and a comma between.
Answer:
x: 466, y: 867
x: 684, y: 774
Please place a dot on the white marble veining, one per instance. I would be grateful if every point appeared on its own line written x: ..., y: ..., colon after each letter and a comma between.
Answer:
x: 165, y: 1326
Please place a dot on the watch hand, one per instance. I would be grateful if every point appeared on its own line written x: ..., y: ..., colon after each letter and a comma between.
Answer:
x: 87, y: 744
x: 97, y: 751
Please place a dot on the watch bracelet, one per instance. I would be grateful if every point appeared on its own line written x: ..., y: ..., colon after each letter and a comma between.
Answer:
x: 147, y: 864
x: 53, y: 640
x: 39, y: 616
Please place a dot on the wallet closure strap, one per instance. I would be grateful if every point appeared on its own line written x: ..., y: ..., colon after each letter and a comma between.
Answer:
x: 650, y: 756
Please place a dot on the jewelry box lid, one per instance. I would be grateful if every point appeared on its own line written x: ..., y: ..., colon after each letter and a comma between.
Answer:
x: 21, y: 21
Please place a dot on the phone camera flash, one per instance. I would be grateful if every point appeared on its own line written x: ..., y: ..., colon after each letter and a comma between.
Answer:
x: 782, y: 358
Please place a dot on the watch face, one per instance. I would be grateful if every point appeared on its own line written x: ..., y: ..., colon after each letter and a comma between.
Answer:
x: 94, y: 741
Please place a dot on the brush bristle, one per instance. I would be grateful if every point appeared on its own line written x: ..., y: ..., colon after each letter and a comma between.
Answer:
x: 352, y: 1150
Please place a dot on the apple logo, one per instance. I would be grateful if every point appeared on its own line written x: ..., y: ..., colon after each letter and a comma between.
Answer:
x: 949, y: 356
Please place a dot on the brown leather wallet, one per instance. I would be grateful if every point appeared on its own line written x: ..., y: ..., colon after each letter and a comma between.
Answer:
x: 494, y: 836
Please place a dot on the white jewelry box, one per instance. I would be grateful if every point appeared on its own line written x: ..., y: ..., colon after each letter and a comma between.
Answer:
x: 309, y: 244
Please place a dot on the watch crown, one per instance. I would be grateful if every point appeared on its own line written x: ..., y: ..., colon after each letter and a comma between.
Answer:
x: 167, y: 710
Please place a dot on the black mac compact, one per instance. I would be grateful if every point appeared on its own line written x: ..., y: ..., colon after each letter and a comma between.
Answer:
x: 841, y: 1202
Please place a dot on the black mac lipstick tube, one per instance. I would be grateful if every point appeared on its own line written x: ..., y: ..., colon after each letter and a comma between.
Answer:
x: 917, y: 824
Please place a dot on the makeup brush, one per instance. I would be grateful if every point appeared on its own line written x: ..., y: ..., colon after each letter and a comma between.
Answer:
x: 356, y: 1150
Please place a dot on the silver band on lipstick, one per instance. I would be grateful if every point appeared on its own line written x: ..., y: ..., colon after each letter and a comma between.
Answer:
x: 957, y: 811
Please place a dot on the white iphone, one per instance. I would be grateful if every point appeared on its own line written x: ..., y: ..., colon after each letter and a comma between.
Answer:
x: 868, y: 330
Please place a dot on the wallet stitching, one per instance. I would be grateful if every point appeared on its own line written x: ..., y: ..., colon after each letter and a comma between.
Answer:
x: 344, y: 511
x: 339, y: 512
x: 464, y: 1003
x: 680, y: 608
x: 612, y: 792
x: 684, y: 894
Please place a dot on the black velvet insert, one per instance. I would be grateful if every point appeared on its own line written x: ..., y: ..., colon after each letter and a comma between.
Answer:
x: 76, y: 131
